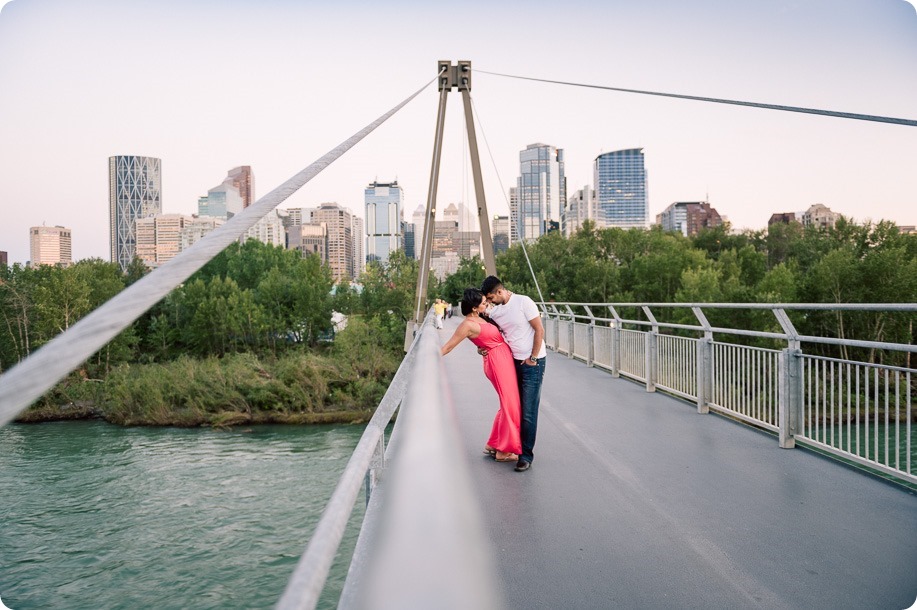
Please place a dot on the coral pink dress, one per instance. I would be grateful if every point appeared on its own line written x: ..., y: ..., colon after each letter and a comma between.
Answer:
x: 500, y: 368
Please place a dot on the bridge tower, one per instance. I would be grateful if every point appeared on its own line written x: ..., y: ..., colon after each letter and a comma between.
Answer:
x: 451, y: 76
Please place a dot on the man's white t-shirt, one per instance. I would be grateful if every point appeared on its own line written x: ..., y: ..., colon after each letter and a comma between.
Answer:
x: 513, y: 318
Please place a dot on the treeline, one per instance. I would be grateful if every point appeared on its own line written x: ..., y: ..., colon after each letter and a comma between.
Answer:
x: 788, y: 263
x: 246, y: 339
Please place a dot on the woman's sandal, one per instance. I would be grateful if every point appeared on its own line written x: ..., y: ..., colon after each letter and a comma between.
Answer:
x: 509, y: 457
x: 490, y: 451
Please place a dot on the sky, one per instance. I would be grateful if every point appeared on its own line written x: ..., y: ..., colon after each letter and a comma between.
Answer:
x: 209, y: 85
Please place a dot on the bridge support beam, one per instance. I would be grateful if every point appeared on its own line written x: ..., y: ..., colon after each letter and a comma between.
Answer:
x: 451, y: 76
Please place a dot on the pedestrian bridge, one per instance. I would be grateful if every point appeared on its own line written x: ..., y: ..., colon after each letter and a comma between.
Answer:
x: 636, y: 498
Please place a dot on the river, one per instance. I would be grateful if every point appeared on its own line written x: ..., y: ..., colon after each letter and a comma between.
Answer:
x: 98, y: 516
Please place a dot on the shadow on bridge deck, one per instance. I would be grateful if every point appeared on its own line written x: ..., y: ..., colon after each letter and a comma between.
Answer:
x: 634, y: 500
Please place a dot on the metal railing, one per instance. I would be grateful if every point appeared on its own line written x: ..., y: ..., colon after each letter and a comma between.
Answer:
x: 425, y: 507
x: 856, y: 410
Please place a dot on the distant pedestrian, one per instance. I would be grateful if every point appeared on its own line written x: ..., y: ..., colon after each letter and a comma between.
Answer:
x: 520, y: 322
x: 439, y: 310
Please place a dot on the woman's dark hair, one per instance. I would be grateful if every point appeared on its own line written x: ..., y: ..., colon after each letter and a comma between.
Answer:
x: 471, y: 299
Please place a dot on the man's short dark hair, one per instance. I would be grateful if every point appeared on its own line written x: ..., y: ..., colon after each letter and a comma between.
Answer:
x: 491, y: 283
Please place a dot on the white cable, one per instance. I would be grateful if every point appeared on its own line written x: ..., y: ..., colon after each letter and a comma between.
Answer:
x: 496, y: 171
x: 28, y: 380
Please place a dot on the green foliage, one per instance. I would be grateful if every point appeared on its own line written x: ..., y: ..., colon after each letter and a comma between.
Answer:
x: 850, y: 263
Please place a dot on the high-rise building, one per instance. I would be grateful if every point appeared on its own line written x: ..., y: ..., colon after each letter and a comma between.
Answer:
x: 50, y: 246
x: 500, y: 228
x: 541, y: 190
x: 359, y: 256
x: 688, y: 217
x: 384, y: 214
x: 619, y: 180
x: 222, y: 201
x: 243, y: 180
x: 513, y: 215
x: 159, y: 238
x: 338, y: 223
x: 300, y: 216
x: 411, y: 240
x: 270, y: 229
x: 580, y: 207
x: 461, y: 214
x: 309, y: 239
x: 198, y: 227
x: 135, y: 191
x: 4, y: 258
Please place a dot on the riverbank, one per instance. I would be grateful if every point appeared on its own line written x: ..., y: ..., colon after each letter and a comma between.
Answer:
x: 301, y: 387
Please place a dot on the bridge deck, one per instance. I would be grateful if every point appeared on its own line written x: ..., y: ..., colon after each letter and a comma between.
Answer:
x: 635, y: 500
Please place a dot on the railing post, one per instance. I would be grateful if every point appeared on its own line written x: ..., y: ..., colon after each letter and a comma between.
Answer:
x: 615, y: 344
x: 649, y: 352
x: 571, y: 346
x: 590, y: 352
x: 376, y: 468
x: 556, y: 327
x: 704, y: 363
x: 790, y: 398
x: 704, y: 374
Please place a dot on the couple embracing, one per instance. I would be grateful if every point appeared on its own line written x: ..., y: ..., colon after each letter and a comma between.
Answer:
x: 507, y: 329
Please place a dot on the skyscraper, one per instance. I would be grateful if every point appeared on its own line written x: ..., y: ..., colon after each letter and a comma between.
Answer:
x: 338, y: 223
x: 619, y: 180
x: 223, y: 201
x: 500, y: 227
x: 244, y: 180
x: 159, y: 238
x: 359, y: 258
x: 541, y: 190
x: 135, y: 191
x: 50, y: 246
x: 580, y: 207
x: 383, y: 219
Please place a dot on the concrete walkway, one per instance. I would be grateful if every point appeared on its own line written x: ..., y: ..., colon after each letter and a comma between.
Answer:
x: 634, y: 500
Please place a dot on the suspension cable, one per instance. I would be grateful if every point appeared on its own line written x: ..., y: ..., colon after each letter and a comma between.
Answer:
x: 833, y: 113
x: 32, y: 377
x: 503, y: 189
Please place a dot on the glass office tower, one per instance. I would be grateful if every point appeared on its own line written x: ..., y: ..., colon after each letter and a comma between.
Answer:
x: 541, y: 190
x: 135, y: 191
x: 619, y: 180
x: 384, y: 201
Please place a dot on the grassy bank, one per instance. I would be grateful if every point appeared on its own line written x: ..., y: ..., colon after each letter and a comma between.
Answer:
x: 343, y: 384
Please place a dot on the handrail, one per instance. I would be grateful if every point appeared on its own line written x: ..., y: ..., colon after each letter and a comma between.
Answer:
x: 425, y: 507
x: 430, y: 549
x: 778, y: 309
x: 311, y: 572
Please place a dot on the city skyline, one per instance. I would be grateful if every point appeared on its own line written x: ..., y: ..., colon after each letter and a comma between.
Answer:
x: 846, y: 55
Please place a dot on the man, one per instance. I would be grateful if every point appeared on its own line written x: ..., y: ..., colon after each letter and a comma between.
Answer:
x: 520, y: 321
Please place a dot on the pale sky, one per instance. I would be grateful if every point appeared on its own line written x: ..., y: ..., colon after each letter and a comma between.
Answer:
x: 210, y: 85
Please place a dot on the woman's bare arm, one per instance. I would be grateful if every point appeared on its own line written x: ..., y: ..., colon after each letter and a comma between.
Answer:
x: 462, y: 332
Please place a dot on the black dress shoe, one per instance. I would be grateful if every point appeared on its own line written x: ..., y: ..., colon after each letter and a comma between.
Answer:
x: 522, y: 466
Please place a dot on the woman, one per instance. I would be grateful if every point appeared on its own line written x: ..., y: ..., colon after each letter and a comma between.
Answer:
x: 504, y: 442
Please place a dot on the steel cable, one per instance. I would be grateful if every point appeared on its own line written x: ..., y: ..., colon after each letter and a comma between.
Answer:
x: 503, y: 189
x: 32, y: 377
x: 833, y: 113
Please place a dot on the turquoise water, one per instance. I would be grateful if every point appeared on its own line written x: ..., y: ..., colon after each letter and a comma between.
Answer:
x: 97, y: 516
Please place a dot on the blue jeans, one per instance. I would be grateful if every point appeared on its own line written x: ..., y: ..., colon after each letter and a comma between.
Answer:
x: 529, y: 378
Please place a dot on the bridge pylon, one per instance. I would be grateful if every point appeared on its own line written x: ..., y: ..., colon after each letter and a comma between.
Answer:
x: 451, y: 76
